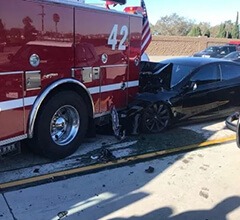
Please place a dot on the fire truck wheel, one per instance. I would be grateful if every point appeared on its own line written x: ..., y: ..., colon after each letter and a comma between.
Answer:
x: 61, y: 125
x: 155, y: 118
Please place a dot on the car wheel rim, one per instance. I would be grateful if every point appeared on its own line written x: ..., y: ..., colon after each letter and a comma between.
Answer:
x: 64, y: 125
x: 157, y: 117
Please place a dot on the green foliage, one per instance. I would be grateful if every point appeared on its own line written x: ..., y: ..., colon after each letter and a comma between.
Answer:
x: 205, y: 28
x: 235, y: 30
x: 195, y: 31
x: 222, y: 33
x: 207, y: 33
x: 173, y: 25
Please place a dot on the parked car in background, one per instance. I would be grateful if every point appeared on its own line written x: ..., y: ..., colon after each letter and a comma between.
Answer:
x: 235, y: 43
x: 234, y: 56
x: 216, y: 51
x: 187, y: 89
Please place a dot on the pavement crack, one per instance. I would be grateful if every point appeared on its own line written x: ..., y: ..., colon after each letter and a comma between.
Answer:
x: 10, y: 209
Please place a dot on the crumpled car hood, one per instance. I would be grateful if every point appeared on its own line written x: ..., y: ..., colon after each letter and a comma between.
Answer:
x: 154, y: 76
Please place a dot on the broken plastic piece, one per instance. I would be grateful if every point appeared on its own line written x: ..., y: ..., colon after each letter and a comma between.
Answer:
x: 62, y: 214
x: 149, y: 169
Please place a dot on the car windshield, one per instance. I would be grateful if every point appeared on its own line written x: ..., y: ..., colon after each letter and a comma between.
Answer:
x: 212, y: 49
x: 232, y: 55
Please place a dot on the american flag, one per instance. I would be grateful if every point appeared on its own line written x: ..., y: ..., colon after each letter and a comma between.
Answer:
x: 146, y: 33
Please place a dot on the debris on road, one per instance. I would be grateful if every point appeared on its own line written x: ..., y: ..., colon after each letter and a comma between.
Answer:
x: 62, y: 214
x: 149, y: 170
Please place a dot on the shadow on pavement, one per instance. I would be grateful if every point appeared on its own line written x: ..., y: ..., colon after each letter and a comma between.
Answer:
x: 219, y: 212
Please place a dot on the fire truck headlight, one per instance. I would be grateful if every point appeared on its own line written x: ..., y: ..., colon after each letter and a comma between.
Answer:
x: 34, y: 60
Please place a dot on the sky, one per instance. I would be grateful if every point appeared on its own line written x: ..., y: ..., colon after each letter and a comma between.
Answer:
x: 213, y: 11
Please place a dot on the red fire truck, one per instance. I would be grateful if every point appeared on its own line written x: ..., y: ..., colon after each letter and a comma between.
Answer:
x: 63, y: 67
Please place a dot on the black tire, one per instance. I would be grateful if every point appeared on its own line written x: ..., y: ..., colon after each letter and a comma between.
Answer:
x: 155, y: 118
x: 60, y: 126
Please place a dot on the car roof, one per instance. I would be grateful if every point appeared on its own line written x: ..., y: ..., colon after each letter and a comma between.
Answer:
x: 192, y: 61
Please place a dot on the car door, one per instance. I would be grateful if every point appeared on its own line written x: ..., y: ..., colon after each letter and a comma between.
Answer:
x: 199, y: 100
x: 228, y: 90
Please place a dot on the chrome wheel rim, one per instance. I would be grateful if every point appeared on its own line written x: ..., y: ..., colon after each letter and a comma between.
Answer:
x: 64, y: 125
x: 156, y: 117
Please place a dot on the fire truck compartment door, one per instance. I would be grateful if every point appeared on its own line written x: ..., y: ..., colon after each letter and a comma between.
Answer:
x: 11, y: 105
x: 102, y: 39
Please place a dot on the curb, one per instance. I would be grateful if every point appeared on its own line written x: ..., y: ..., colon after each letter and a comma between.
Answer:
x: 118, y: 162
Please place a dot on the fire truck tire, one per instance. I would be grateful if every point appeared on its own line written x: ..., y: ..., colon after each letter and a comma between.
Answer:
x: 155, y: 118
x: 60, y: 126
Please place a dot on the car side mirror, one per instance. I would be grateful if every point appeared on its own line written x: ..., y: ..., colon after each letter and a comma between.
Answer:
x: 192, y: 85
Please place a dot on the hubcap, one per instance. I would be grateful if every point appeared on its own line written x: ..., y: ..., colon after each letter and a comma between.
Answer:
x: 157, y: 118
x: 64, y: 125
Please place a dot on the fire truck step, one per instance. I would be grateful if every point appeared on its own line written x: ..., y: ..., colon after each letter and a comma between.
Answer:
x: 10, y: 150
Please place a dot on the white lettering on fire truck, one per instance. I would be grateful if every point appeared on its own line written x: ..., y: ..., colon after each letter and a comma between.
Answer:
x: 112, y: 39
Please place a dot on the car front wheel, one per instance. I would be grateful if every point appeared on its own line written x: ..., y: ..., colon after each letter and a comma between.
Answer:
x: 155, y: 118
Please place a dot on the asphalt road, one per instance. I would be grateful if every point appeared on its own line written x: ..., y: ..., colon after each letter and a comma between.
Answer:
x: 196, y: 185
x: 105, y: 150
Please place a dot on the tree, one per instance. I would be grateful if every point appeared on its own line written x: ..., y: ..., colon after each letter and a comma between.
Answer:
x: 207, y: 33
x: 228, y: 28
x: 173, y: 25
x: 235, y: 30
x: 195, y: 31
x: 205, y: 28
x: 222, y: 31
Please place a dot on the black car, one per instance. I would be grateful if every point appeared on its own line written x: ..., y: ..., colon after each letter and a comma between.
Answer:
x: 187, y: 89
x: 234, y: 56
x: 216, y: 51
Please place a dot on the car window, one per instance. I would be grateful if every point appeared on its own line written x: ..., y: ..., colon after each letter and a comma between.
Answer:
x: 232, y: 49
x: 212, y: 49
x: 230, y: 71
x: 207, y: 74
x: 231, y: 55
x: 223, y: 50
x: 179, y: 72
